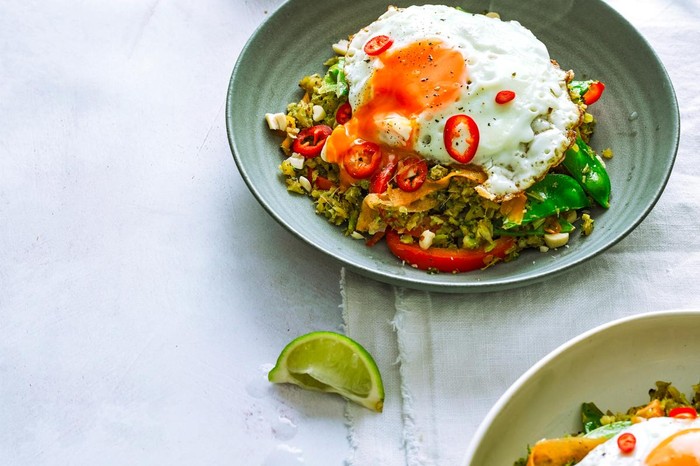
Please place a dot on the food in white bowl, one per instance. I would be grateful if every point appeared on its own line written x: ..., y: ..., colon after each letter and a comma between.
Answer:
x: 613, y: 365
x: 661, y: 441
x: 453, y: 135
x: 666, y: 431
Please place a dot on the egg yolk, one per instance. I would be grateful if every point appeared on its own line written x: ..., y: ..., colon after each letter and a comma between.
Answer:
x: 419, y: 77
x: 412, y: 80
x: 680, y: 449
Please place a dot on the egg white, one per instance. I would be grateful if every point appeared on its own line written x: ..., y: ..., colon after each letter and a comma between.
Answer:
x: 519, y: 141
x: 648, y: 435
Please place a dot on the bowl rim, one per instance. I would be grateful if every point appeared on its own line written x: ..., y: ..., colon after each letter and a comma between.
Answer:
x: 435, y: 283
x: 515, y: 387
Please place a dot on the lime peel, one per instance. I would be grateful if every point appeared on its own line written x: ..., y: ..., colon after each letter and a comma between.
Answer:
x: 331, y: 362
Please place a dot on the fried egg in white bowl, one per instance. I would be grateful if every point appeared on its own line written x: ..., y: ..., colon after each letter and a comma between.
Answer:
x: 296, y: 39
x: 660, y: 441
x: 613, y: 365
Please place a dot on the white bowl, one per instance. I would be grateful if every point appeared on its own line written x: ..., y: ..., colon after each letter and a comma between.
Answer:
x: 613, y: 365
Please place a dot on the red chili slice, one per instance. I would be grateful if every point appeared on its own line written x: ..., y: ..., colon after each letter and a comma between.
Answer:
x: 461, y: 137
x: 595, y: 90
x: 378, y: 44
x: 363, y: 159
x: 448, y: 260
x: 310, y: 141
x: 343, y: 114
x: 411, y: 174
x: 380, y: 180
x: 503, y: 97
x: 683, y: 412
x: 626, y: 442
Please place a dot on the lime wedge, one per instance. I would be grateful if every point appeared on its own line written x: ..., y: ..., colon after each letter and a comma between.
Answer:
x: 331, y: 362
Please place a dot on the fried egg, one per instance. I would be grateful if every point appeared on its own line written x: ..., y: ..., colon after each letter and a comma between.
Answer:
x: 661, y: 441
x: 443, y: 62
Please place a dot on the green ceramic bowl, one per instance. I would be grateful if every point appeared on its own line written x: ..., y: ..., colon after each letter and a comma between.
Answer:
x: 638, y: 118
x: 612, y: 365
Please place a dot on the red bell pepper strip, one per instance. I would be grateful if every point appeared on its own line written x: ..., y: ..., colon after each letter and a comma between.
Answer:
x: 595, y: 90
x: 446, y: 259
x: 321, y: 182
x: 589, y: 91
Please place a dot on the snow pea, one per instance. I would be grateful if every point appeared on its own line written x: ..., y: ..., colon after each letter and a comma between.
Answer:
x: 583, y: 164
x: 609, y: 430
x: 565, y: 227
x: 551, y: 195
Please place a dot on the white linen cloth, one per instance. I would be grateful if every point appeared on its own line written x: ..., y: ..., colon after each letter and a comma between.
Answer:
x: 446, y: 358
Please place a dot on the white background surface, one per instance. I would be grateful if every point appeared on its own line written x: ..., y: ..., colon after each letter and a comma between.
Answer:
x: 141, y: 285
x: 143, y: 291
